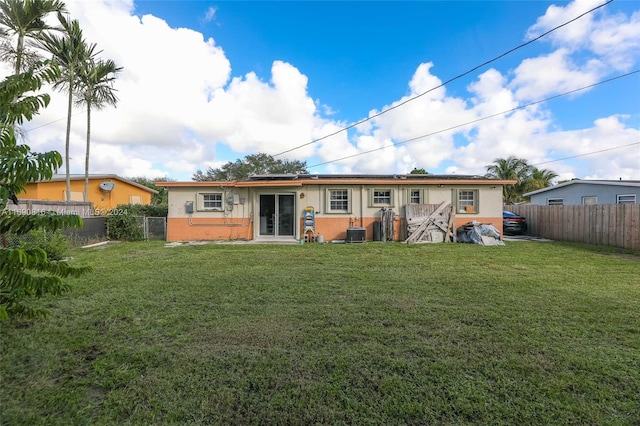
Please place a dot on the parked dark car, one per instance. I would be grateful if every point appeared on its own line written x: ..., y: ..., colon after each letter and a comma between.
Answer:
x: 513, y: 224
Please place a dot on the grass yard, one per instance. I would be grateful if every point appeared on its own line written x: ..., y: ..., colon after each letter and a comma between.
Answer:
x: 528, y: 333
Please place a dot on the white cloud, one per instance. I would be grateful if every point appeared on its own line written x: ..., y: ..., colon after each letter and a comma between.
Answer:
x: 617, y: 40
x: 608, y: 145
x: 252, y: 115
x: 181, y: 106
x: 588, y: 50
x: 601, y: 42
x: 572, y: 35
x: 176, y: 89
x: 422, y: 119
x: 423, y: 81
x: 106, y: 156
x: 538, y: 78
x: 210, y: 14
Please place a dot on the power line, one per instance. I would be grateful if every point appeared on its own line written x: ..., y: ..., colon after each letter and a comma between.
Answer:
x: 445, y: 83
x: 46, y: 124
x: 478, y: 119
x: 588, y: 153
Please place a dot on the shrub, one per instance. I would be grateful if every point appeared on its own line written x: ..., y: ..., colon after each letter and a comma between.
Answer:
x: 144, y: 210
x: 53, y: 243
x: 124, y: 227
x: 124, y: 223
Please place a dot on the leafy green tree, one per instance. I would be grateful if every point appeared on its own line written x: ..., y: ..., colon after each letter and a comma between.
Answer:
x: 26, y: 273
x: 510, y: 168
x: 539, y: 179
x: 417, y: 171
x: 24, y: 21
x: 253, y: 164
x: 70, y: 52
x: 528, y: 177
x: 95, y: 89
x: 162, y: 197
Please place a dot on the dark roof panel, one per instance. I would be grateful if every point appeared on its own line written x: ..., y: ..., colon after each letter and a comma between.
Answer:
x: 361, y: 176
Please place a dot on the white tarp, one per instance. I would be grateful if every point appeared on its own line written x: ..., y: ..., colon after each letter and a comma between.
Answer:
x: 479, y: 233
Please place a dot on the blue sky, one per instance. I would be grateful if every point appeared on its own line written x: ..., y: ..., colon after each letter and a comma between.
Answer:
x: 207, y: 82
x: 357, y: 55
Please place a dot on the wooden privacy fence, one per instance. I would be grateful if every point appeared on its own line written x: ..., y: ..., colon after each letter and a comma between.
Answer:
x: 616, y: 225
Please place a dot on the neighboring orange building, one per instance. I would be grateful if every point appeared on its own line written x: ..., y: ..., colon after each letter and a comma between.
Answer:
x: 105, y: 191
x: 281, y: 207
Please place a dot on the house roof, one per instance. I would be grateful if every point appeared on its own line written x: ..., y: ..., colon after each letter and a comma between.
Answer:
x: 62, y: 178
x: 310, y: 179
x: 627, y: 183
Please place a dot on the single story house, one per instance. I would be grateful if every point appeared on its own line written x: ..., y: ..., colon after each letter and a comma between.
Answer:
x: 286, y: 207
x: 586, y: 192
x: 106, y: 191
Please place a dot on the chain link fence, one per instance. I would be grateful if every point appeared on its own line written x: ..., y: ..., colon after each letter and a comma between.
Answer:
x: 93, y: 229
x: 152, y: 228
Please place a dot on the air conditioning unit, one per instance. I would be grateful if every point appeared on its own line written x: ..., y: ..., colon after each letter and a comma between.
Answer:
x: 356, y: 234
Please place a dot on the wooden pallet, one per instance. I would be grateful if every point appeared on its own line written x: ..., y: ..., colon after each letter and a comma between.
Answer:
x: 430, y: 223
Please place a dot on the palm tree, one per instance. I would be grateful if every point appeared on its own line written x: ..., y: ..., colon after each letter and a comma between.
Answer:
x: 539, y: 179
x: 511, y: 168
x: 70, y: 51
x: 94, y: 88
x: 24, y: 19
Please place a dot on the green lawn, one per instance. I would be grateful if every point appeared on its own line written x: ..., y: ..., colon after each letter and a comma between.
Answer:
x: 528, y: 333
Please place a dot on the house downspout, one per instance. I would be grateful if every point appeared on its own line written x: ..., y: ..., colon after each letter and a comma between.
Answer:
x: 251, y: 232
x: 362, y: 206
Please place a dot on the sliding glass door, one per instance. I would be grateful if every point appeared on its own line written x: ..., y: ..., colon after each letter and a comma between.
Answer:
x: 277, y: 215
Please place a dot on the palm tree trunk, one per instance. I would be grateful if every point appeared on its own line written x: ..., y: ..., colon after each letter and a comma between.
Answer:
x: 19, y: 50
x: 86, y: 157
x: 66, y: 145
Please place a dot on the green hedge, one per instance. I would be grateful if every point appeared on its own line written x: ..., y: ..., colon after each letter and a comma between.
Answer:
x: 144, y: 210
x: 124, y: 223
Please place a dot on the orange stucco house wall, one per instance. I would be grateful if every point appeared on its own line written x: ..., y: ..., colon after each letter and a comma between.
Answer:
x: 272, y: 207
x: 105, y: 191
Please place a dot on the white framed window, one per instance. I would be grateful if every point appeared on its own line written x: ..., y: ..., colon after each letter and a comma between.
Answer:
x: 381, y: 197
x: 338, y: 200
x: 626, y: 199
x: 210, y: 201
x: 135, y: 199
x: 589, y: 200
x: 555, y: 201
x: 467, y: 201
x: 416, y: 196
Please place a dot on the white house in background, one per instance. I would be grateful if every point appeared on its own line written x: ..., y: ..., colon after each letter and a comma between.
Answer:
x: 586, y: 192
